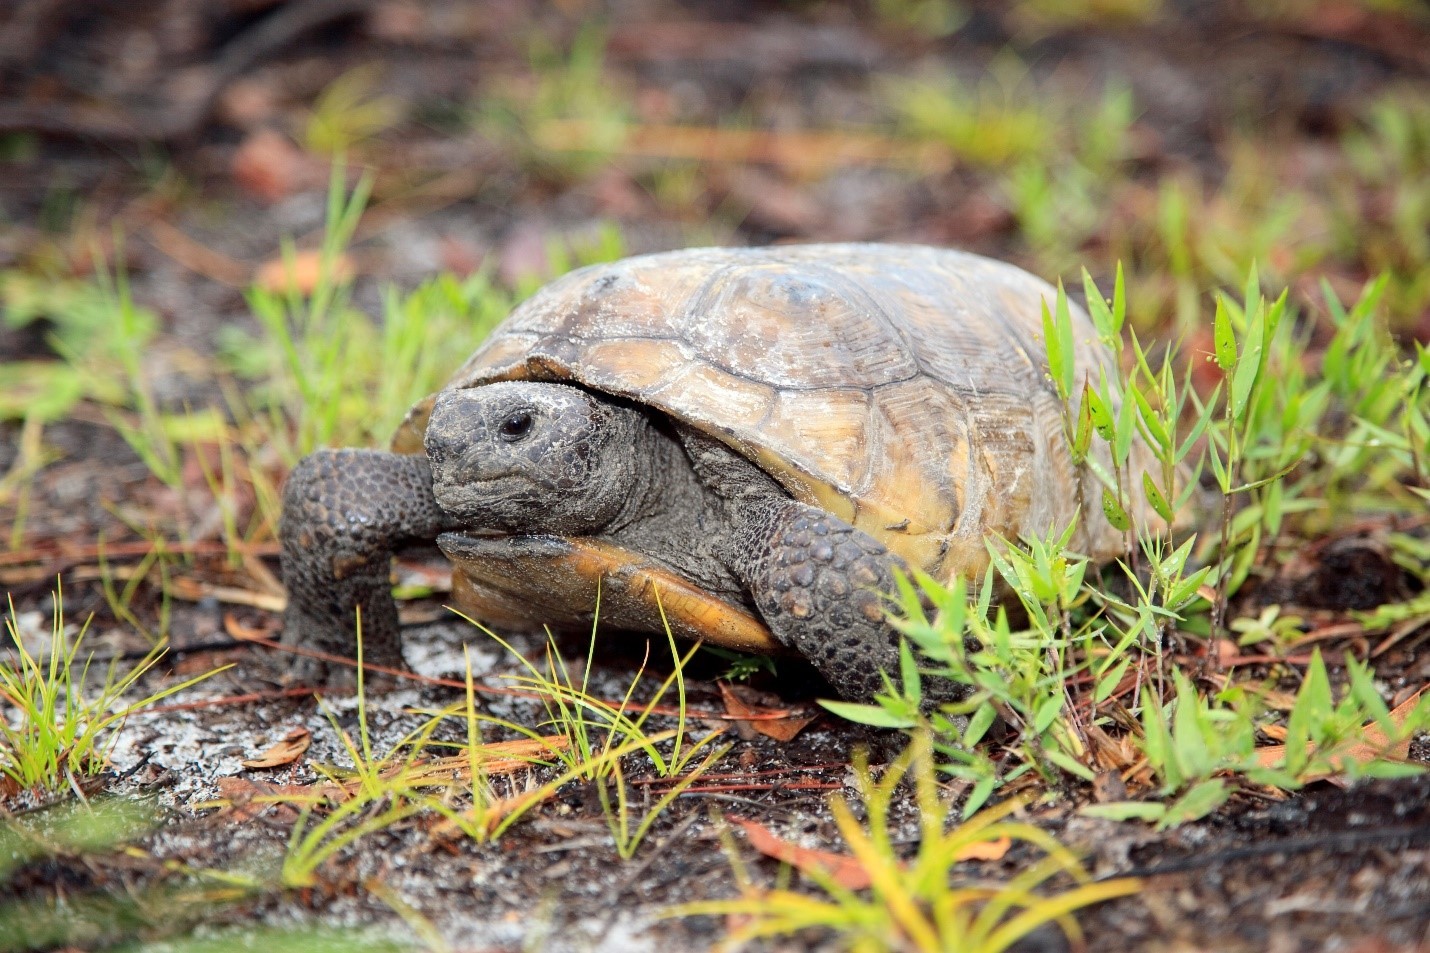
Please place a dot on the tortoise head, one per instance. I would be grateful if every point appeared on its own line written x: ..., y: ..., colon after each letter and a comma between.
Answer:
x: 529, y: 457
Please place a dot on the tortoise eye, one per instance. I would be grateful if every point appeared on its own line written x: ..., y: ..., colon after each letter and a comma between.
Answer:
x: 516, y: 426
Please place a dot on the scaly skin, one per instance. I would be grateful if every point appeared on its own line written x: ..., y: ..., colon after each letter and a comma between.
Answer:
x: 817, y: 581
x: 818, y: 584
x: 344, y: 513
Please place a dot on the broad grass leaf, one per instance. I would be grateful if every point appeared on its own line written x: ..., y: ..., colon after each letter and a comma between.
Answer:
x: 1199, y: 800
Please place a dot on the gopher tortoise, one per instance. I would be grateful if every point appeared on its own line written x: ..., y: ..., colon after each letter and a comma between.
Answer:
x: 741, y: 444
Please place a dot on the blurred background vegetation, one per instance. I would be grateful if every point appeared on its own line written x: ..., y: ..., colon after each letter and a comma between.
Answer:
x: 1185, y: 139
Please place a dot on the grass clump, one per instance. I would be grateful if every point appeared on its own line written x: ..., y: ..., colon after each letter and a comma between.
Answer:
x: 1067, y: 166
x: 921, y: 902
x: 993, y: 123
x: 600, y: 733
x: 83, y: 329
x: 358, y: 379
x: 157, y: 912
x: 929, y: 18
x: 379, y: 792
x: 349, y: 112
x: 54, y: 728
x: 1056, y: 157
x: 325, y: 373
x: 322, y: 373
x: 72, y: 829
x: 479, y: 789
x: 564, y: 120
x: 318, y: 372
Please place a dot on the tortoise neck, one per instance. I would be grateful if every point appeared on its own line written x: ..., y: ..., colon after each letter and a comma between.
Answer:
x: 672, y: 517
x: 661, y: 482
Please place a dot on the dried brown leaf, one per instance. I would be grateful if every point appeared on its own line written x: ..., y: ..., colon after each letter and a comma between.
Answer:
x: 290, y: 749
x: 847, y: 871
x: 985, y: 849
x: 1374, y: 746
x: 270, y: 166
x: 241, y: 799
x: 302, y: 272
x: 244, y: 633
x: 741, y: 706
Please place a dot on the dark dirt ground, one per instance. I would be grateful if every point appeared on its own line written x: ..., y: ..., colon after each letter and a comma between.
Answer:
x: 97, y: 92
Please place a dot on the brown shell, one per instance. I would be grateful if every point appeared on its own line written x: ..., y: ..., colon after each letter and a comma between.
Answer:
x: 902, y: 388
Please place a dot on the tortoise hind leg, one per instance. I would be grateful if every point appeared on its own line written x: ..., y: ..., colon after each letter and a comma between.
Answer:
x: 344, y: 513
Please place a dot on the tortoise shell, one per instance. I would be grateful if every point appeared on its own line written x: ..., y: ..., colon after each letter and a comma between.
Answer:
x: 901, y: 388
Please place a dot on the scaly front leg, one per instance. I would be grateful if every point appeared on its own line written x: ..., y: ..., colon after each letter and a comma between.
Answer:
x: 819, y: 584
x: 344, y: 514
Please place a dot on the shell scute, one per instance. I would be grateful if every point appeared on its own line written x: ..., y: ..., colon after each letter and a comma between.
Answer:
x: 794, y: 329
